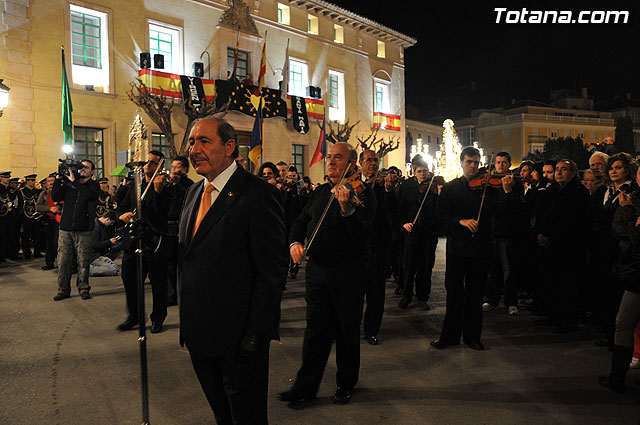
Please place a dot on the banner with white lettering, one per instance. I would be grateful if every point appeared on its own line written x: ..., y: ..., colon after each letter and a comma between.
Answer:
x: 193, y: 90
x: 299, y: 114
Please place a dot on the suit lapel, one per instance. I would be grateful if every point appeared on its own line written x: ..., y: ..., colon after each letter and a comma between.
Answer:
x: 230, y: 192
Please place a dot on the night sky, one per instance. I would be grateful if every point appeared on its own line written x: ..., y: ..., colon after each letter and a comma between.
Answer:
x: 464, y: 60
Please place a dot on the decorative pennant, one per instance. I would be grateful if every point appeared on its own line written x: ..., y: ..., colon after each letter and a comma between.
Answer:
x: 299, y: 114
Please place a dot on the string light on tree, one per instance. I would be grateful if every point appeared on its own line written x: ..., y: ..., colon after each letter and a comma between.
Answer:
x: 448, y: 157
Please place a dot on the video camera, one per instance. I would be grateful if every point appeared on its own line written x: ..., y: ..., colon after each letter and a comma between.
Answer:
x: 68, y: 166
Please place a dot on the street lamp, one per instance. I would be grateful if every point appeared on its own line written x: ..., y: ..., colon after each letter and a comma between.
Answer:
x: 4, y: 96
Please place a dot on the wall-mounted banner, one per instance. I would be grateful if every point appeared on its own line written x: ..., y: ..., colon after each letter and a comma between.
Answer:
x: 192, y: 90
x: 158, y: 82
x: 299, y: 114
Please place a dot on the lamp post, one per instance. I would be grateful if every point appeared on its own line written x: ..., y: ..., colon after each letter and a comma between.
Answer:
x: 4, y: 96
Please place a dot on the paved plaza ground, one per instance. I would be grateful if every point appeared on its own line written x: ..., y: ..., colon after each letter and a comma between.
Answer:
x: 64, y: 363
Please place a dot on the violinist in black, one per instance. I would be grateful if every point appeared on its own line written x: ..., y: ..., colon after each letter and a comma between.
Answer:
x: 335, y: 273
x: 467, y: 226
x: 386, y: 204
x: 421, y: 235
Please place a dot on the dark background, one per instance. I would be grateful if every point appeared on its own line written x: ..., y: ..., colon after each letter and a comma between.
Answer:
x: 464, y: 60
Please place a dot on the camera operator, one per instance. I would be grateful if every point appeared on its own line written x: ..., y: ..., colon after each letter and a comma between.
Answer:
x: 75, y: 187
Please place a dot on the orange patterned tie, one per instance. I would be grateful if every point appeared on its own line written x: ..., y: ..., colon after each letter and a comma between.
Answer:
x: 205, y: 204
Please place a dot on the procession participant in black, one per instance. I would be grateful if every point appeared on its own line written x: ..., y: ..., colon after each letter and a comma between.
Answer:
x: 561, y: 229
x: 105, y: 201
x: 154, y: 212
x: 27, y: 198
x: 335, y: 273
x: 386, y: 204
x: 465, y: 216
x: 51, y: 221
x: 177, y: 185
x: 421, y: 235
x: 293, y: 204
x: 5, y: 209
x: 14, y: 222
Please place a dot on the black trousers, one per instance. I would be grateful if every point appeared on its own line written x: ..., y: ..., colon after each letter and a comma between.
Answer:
x: 375, y: 288
x: 155, y: 265
x: 464, y: 281
x: 419, y: 258
x: 236, y: 389
x: 51, y: 241
x: 334, y: 296
x: 4, y: 238
x: 565, y: 284
x: 502, y: 273
x: 172, y: 262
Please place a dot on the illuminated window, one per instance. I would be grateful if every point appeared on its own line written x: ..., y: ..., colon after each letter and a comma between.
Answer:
x: 283, y: 14
x: 338, y: 34
x: 298, y: 78
x: 336, y: 96
x: 166, y: 40
x: 89, y: 48
x: 88, y: 144
x: 159, y: 143
x: 297, y: 158
x: 312, y: 24
x: 381, y: 49
x: 382, y: 103
x: 242, y: 66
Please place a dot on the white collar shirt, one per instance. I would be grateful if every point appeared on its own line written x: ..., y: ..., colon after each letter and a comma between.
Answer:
x: 221, y: 180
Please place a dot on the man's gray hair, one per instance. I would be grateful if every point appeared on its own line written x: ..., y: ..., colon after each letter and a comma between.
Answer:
x: 597, y: 154
x: 226, y: 132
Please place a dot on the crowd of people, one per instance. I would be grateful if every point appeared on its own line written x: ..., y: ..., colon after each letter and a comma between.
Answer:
x: 559, y: 242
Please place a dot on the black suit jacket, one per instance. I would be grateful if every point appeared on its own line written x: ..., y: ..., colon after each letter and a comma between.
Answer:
x: 232, y: 273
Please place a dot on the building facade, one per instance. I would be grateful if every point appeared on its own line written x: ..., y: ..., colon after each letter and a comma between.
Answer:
x: 358, y: 65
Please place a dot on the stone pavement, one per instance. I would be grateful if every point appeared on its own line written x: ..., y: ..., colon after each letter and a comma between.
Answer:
x: 64, y: 363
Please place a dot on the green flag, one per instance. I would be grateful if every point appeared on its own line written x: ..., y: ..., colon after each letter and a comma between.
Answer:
x: 67, y: 108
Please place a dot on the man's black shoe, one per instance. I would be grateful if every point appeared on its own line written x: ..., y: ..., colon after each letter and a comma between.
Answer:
x: 371, y: 339
x: 476, y: 345
x: 156, y: 327
x: 545, y: 322
x: 59, y: 297
x: 342, y: 395
x: 127, y: 325
x: 404, y: 303
x: 441, y: 345
x: 47, y: 267
x: 85, y: 295
x: 38, y: 255
x: 295, y: 396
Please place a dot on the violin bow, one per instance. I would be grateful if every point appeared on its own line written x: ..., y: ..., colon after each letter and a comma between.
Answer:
x: 326, y: 209
x: 484, y: 191
x: 423, y: 198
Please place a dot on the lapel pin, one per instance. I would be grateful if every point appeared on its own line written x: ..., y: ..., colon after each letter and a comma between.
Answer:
x: 230, y: 194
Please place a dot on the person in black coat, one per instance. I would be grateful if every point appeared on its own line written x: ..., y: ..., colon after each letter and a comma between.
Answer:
x: 561, y: 229
x: 468, y: 249
x: 335, y: 279
x: 231, y: 273
x: 386, y: 204
x: 421, y: 237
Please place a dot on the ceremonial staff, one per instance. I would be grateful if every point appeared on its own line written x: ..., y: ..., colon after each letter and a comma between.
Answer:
x: 138, y: 139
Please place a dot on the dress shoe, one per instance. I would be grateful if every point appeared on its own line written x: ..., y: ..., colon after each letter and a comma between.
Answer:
x: 476, y: 345
x: 564, y: 329
x: 156, y: 327
x: 545, y: 322
x: 38, y: 255
x: 295, y: 396
x: 404, y: 303
x: 422, y: 305
x: 488, y: 307
x: 85, y: 295
x: 127, y: 325
x: 61, y: 296
x: 513, y: 310
x: 604, y: 342
x: 398, y: 291
x: 371, y: 339
x: 342, y: 395
x: 47, y: 267
x: 441, y: 345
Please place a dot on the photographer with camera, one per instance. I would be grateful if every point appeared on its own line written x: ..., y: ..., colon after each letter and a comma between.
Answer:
x: 75, y: 187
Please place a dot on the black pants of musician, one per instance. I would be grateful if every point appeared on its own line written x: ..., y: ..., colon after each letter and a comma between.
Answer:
x: 334, y: 296
x: 13, y: 237
x: 395, y: 260
x: 155, y: 265
x: 171, y: 244
x: 4, y: 238
x: 464, y: 281
x: 565, y: 285
x: 51, y: 241
x: 235, y: 388
x: 419, y: 258
x: 375, y: 286
x: 502, y: 273
x: 28, y: 237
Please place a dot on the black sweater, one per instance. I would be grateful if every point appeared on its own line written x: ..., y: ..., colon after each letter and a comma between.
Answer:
x: 80, y: 200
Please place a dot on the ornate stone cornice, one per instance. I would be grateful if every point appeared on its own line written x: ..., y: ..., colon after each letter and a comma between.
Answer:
x: 238, y: 17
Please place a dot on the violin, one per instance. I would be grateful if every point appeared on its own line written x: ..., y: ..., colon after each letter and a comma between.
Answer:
x: 354, y: 184
x: 493, y: 180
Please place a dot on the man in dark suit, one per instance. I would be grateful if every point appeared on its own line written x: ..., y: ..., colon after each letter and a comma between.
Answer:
x: 232, y: 270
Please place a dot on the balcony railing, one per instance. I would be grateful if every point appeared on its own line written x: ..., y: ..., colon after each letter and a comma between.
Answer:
x: 487, y: 122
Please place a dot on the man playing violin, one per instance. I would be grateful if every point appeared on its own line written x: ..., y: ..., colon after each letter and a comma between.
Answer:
x: 421, y: 237
x: 386, y: 204
x: 465, y: 216
x: 335, y: 277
